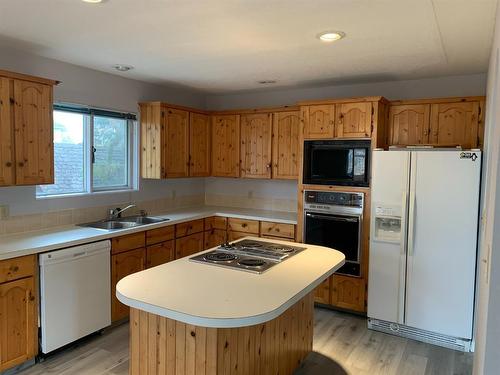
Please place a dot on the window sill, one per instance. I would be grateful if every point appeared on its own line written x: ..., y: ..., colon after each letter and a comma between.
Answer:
x: 86, y: 194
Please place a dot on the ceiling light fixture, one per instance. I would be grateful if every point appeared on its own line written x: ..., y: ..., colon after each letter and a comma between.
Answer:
x: 267, y: 81
x: 330, y: 36
x: 92, y: 1
x: 123, y: 68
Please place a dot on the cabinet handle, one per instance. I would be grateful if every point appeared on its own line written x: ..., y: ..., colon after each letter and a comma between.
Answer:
x: 244, y: 225
x: 14, y: 268
x: 8, y: 164
x: 21, y: 164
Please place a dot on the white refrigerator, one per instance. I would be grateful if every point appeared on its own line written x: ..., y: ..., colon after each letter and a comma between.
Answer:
x: 423, y: 244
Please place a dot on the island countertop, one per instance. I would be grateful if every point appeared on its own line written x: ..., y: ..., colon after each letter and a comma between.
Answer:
x: 209, y: 296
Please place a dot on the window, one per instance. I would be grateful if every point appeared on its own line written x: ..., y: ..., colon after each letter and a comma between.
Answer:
x: 93, y: 151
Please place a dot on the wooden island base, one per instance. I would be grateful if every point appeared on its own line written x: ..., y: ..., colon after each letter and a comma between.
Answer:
x: 160, y: 346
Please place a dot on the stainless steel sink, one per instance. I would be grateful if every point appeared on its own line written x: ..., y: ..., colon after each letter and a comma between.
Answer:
x: 123, y: 223
x: 142, y: 220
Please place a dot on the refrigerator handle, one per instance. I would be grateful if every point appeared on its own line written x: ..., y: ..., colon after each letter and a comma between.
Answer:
x: 404, y: 213
x: 413, y: 216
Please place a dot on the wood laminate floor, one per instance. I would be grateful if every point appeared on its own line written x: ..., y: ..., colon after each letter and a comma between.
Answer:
x: 342, y: 345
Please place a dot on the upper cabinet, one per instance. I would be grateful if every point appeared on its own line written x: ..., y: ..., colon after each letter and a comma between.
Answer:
x: 438, y: 122
x: 354, y: 120
x: 200, y: 136
x: 409, y: 124
x: 255, y: 149
x: 226, y: 145
x: 286, y: 131
x: 26, y: 130
x: 319, y: 121
x: 175, y: 142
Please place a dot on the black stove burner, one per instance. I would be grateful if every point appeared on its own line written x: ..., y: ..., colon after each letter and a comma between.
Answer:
x: 252, y: 262
x: 220, y: 257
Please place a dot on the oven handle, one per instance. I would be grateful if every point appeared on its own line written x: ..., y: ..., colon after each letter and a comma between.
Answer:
x: 331, y: 217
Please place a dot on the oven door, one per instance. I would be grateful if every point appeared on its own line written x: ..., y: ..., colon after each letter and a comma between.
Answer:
x: 338, y: 231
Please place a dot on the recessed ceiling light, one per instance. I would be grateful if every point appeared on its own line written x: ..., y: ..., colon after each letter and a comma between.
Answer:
x: 330, y: 36
x: 122, y: 67
x: 267, y: 81
x: 92, y: 1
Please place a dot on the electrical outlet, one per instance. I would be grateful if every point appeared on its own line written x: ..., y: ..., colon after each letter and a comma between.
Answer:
x: 4, y: 212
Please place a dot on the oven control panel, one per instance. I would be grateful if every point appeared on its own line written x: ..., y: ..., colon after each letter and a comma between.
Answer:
x: 335, y: 198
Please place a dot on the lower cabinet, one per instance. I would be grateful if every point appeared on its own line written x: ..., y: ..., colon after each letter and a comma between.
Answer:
x: 18, y: 315
x: 124, y: 264
x: 322, y: 292
x: 188, y: 245
x: 215, y: 237
x: 348, y: 293
x: 160, y: 253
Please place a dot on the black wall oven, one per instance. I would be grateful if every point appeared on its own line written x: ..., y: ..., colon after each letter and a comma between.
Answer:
x: 345, y: 163
x: 335, y: 219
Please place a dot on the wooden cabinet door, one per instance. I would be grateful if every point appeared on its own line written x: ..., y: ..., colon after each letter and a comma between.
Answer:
x: 199, y: 145
x: 233, y: 235
x: 286, y: 128
x: 255, y: 149
x: 188, y: 245
x: 226, y: 146
x: 33, y: 133
x: 176, y: 147
x: 122, y: 265
x: 160, y: 253
x: 215, y: 237
x: 6, y: 135
x: 348, y: 293
x: 18, y: 322
x: 409, y: 124
x: 354, y: 120
x: 455, y: 124
x: 318, y: 121
x: 152, y: 131
x: 322, y: 292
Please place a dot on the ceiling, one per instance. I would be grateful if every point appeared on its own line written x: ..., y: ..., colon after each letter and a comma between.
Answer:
x: 228, y: 45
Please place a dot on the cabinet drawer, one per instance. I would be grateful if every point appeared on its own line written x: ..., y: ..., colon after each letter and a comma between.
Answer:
x: 158, y: 235
x: 128, y: 242
x: 17, y: 268
x: 190, y: 227
x: 216, y: 222
x: 242, y: 225
x: 268, y: 228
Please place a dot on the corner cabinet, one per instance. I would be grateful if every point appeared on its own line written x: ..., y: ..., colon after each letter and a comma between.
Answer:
x: 26, y: 130
x: 226, y: 145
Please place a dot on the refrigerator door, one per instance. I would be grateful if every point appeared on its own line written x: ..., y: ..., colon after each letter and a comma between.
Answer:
x: 442, y: 241
x: 386, y: 277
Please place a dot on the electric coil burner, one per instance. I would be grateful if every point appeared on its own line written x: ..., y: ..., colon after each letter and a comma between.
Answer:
x: 248, y: 255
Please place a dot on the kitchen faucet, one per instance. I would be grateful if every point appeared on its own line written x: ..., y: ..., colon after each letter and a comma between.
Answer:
x: 115, y: 213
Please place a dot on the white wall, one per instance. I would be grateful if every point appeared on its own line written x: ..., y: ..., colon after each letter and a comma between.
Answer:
x: 487, y: 358
x: 90, y: 87
x: 467, y: 85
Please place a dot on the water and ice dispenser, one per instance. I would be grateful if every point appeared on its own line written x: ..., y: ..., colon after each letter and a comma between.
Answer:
x: 388, y: 223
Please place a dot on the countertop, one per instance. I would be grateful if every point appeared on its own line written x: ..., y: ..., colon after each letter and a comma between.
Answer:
x: 221, y: 297
x: 34, y: 242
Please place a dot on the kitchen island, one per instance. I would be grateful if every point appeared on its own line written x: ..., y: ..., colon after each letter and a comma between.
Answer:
x: 196, y: 318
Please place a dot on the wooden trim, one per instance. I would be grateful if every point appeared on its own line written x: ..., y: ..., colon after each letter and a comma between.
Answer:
x: 247, y: 111
x: 165, y: 105
x: 343, y: 100
x: 455, y: 99
x: 163, y: 346
x: 27, y: 77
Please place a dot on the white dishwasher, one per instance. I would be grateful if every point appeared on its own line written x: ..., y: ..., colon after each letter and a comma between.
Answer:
x: 75, y: 293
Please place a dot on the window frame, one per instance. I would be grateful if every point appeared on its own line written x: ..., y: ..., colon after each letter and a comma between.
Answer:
x: 132, y: 148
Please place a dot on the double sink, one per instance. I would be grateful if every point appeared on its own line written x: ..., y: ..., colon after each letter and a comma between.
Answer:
x: 123, y: 222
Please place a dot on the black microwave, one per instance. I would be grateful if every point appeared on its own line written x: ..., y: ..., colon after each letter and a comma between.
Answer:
x: 345, y: 163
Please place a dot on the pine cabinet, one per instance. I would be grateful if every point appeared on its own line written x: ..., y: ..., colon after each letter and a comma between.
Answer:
x: 26, y: 130
x: 199, y: 145
x: 409, y: 124
x: 255, y: 148
x: 176, y: 147
x: 285, y: 145
x: 322, y: 292
x: 215, y: 237
x: 354, y: 120
x: 189, y: 245
x: 124, y: 264
x: 319, y: 121
x: 348, y: 292
x: 226, y: 145
x: 18, y: 311
x: 160, y: 253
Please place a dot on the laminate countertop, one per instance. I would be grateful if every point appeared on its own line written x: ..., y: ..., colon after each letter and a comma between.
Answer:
x: 209, y: 296
x: 34, y: 242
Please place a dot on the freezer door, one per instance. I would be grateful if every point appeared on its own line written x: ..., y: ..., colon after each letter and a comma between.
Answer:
x: 386, y: 277
x: 442, y: 241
